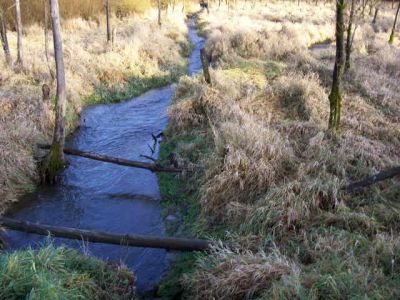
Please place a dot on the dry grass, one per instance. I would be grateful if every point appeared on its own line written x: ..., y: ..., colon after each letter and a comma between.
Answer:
x: 232, y: 275
x: 274, y: 172
x: 33, y: 11
x: 143, y: 55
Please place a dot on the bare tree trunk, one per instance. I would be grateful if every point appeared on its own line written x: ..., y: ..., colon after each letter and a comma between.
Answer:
x: 4, y: 39
x: 349, y: 37
x: 107, y: 9
x: 391, y: 39
x: 163, y: 242
x: 375, y: 15
x: 55, y: 161
x: 118, y: 161
x: 19, y: 33
x: 335, y: 97
x: 159, y: 12
x: 46, y: 38
x: 364, y: 4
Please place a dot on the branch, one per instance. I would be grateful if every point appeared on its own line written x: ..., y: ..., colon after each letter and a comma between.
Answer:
x: 117, y: 161
x: 372, y: 179
x: 162, y: 242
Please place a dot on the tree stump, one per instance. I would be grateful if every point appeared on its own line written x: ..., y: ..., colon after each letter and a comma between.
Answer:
x: 204, y: 63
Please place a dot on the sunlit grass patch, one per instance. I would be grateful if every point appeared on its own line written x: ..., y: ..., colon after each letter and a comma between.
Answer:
x: 61, y: 273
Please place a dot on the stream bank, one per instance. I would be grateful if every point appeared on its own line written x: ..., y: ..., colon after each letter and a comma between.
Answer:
x: 100, y: 196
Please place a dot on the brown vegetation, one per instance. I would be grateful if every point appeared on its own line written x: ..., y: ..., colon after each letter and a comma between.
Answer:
x: 271, y: 169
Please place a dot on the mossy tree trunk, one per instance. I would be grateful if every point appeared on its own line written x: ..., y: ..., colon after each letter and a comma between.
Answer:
x: 4, y: 39
x: 20, y: 60
x: 54, y: 161
x: 349, y: 40
x: 391, y: 39
x: 335, y: 97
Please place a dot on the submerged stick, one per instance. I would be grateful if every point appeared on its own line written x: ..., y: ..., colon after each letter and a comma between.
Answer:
x: 118, y: 161
x: 372, y: 179
x: 168, y: 243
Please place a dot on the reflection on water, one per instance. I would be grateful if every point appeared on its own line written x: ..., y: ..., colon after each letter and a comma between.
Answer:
x: 105, y: 197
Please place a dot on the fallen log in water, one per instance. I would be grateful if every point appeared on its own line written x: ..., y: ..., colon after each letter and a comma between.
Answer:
x: 373, y: 179
x: 168, y: 243
x: 154, y: 167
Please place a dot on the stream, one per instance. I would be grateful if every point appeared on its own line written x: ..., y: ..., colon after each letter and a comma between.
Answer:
x: 105, y: 197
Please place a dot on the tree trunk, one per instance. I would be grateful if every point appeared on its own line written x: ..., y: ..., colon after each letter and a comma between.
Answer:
x: 163, y: 242
x: 154, y: 167
x: 107, y: 9
x: 4, y: 39
x: 46, y: 38
x: 204, y: 62
x: 375, y: 15
x: 54, y: 161
x: 19, y: 33
x: 159, y: 12
x: 391, y: 39
x: 387, y: 174
x: 349, y: 36
x: 335, y: 97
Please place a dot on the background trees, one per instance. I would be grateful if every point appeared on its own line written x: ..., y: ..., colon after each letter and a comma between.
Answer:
x: 19, y: 32
x: 4, y: 39
x: 391, y: 39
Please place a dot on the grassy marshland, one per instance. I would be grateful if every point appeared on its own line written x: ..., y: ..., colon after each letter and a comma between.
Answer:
x: 265, y: 174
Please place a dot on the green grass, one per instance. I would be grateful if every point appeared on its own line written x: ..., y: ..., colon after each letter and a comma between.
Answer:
x: 180, y: 197
x: 61, y: 273
x: 179, y: 194
x: 134, y: 86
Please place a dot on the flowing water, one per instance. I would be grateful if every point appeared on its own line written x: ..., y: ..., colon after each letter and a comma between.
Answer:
x: 105, y: 197
x: 320, y: 48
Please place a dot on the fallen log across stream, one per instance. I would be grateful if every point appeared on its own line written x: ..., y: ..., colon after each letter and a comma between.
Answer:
x: 168, y: 243
x: 154, y: 167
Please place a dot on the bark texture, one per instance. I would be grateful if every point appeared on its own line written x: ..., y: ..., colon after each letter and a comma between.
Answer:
x: 4, y: 39
x: 204, y: 63
x: 54, y: 161
x: 391, y: 39
x: 107, y: 9
x: 118, y: 161
x: 349, y: 40
x: 19, y: 33
x: 159, y: 13
x: 162, y: 242
x: 335, y: 97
